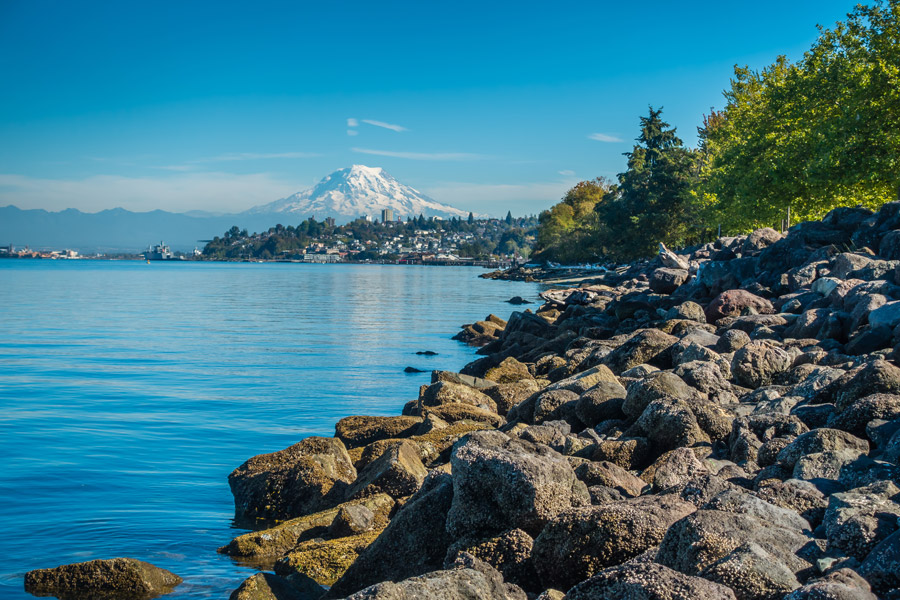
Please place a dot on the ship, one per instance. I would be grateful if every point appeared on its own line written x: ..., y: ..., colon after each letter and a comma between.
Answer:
x: 159, y: 252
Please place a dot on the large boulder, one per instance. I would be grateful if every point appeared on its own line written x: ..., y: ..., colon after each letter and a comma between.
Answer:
x: 470, y: 579
x: 610, y: 475
x: 856, y: 521
x: 658, y: 386
x: 582, y: 541
x: 734, y: 303
x: 502, y: 483
x: 759, y: 240
x: 309, y: 476
x: 415, y: 542
x: 670, y: 423
x: 647, y: 581
x: 701, y: 539
x: 878, y: 376
x: 758, y: 363
x: 649, y: 346
x: 112, y: 579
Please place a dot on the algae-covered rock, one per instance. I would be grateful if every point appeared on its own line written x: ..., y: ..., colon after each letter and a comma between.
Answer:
x: 445, y: 392
x: 509, y: 370
x: 116, y: 578
x: 509, y: 553
x: 324, y: 560
x: 357, y: 431
x: 261, y: 548
x: 646, y: 346
x: 415, y: 542
x: 304, y: 478
x: 267, y: 586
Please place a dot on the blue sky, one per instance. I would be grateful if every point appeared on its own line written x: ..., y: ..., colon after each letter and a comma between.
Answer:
x: 490, y: 107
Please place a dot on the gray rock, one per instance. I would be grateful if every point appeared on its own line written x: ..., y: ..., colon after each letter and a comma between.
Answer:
x: 307, y: 477
x: 446, y: 392
x: 580, y: 542
x: 645, y: 346
x: 875, y: 377
x: 470, y: 579
x: 549, y: 405
x: 841, y: 584
x: 856, y: 416
x: 752, y: 573
x: 398, y: 472
x: 757, y: 364
x: 610, y: 475
x: 760, y: 239
x: 732, y: 341
x: 821, y: 440
x: 414, y: 542
x: 676, y: 469
x: 670, y: 423
x: 856, y: 521
x: 125, y: 578
x: 647, y: 581
x: 882, y: 565
x: 601, y: 403
x: 658, y: 386
x: 501, y: 483
x: 706, y: 536
x: 690, y: 311
x: 666, y: 280
x: 509, y: 553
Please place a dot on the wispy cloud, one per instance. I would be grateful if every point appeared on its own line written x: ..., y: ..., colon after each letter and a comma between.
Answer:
x: 352, y: 132
x: 255, y: 156
x: 567, y: 173
x: 604, y: 137
x: 352, y: 122
x: 217, y: 192
x: 423, y: 155
x: 384, y: 125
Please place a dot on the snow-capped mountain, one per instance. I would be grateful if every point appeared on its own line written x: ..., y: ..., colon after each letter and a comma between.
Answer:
x: 355, y: 191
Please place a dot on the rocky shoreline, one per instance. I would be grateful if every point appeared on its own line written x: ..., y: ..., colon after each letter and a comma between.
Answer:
x: 719, y: 424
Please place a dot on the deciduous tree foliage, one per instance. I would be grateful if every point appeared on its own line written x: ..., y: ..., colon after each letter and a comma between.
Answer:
x: 821, y: 133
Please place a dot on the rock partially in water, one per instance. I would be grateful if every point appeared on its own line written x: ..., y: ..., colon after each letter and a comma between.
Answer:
x: 111, y: 579
x: 307, y: 477
x: 267, y: 586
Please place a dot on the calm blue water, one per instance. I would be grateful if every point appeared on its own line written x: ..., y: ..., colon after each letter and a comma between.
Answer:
x: 129, y: 391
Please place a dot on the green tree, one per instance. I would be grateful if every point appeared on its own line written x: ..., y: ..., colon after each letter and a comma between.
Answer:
x: 653, y: 201
x: 810, y: 136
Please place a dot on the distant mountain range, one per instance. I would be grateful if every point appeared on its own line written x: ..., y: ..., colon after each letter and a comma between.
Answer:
x: 345, y: 195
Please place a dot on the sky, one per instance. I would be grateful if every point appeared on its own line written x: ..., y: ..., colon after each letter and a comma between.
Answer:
x: 487, y: 106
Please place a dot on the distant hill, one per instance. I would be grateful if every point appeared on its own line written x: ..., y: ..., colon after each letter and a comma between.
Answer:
x: 359, y: 190
x: 117, y: 229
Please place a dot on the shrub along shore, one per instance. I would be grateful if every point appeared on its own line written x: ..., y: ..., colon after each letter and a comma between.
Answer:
x: 719, y: 424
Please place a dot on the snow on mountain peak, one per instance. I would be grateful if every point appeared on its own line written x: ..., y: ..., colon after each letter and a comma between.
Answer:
x: 358, y: 190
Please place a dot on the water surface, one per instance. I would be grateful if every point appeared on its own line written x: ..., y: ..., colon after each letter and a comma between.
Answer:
x: 129, y: 391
